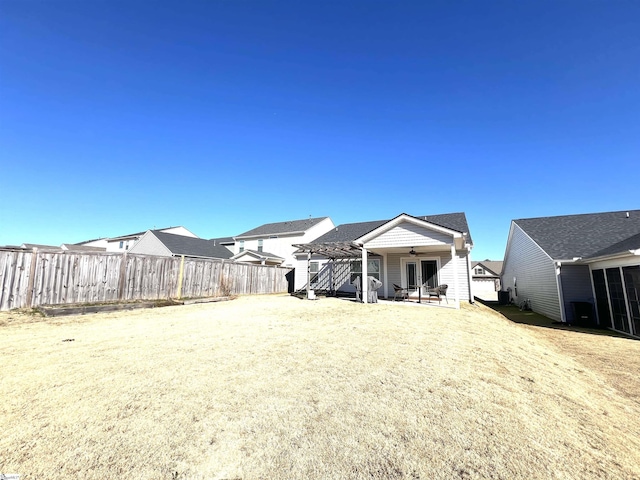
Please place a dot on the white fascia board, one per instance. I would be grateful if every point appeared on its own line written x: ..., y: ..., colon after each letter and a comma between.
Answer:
x: 402, y: 218
x: 626, y: 253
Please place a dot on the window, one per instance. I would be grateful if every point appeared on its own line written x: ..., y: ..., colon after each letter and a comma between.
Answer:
x: 241, y: 246
x: 260, y: 244
x: 479, y: 271
x: 121, y: 245
x: 314, y: 268
x: 373, y: 268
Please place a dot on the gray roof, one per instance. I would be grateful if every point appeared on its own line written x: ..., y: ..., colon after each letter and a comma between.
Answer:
x: 192, y: 247
x: 493, y: 265
x: 223, y: 240
x: 282, y: 227
x: 260, y: 254
x: 587, y: 235
x: 349, y: 232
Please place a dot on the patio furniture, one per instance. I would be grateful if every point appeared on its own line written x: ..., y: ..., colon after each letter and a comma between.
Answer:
x: 356, y: 283
x: 437, y: 292
x: 373, y: 284
x: 400, y: 292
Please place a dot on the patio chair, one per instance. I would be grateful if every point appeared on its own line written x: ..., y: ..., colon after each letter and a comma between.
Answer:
x: 437, y: 292
x: 400, y: 292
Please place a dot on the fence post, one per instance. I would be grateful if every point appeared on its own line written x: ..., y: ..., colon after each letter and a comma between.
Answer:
x: 180, y: 276
x: 123, y: 274
x: 32, y: 276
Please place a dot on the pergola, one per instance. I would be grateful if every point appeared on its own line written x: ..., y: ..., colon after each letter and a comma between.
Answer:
x: 332, y: 251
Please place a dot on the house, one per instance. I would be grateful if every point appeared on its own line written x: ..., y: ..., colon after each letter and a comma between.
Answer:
x: 227, y: 242
x: 123, y: 243
x: 485, y: 279
x: 560, y: 264
x: 272, y: 243
x: 157, y: 242
x: 410, y: 251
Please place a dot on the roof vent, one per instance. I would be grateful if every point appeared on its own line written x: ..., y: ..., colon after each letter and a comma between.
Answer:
x: 627, y: 214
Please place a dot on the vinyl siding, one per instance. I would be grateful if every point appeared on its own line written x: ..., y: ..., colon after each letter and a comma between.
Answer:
x: 576, y: 287
x: 409, y: 235
x: 535, y: 274
x: 150, y: 245
x: 446, y: 274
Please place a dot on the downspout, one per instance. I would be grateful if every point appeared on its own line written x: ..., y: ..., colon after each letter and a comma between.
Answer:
x: 469, y: 277
x: 454, y: 259
x: 563, y: 316
x: 308, y: 272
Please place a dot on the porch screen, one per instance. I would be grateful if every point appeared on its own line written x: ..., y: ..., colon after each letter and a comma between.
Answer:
x: 616, y: 295
x: 602, y: 300
x: 632, y: 285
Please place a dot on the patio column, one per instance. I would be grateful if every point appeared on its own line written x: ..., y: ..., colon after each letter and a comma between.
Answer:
x: 308, y: 273
x: 363, y: 280
x: 456, y: 281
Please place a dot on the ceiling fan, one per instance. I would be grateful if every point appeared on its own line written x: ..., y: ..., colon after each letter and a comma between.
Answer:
x: 413, y: 253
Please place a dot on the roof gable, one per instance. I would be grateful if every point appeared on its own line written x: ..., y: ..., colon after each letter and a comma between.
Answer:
x: 493, y: 266
x: 350, y: 232
x: 191, y: 246
x: 257, y: 255
x: 580, y: 236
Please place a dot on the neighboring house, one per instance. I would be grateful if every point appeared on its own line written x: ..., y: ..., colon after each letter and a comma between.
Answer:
x: 407, y: 251
x: 227, y: 242
x: 123, y: 243
x: 486, y: 279
x: 272, y: 243
x: 156, y: 242
x: 594, y: 258
x: 31, y: 246
x: 69, y: 247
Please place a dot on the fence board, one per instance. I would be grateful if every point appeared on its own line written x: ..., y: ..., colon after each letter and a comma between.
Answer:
x: 54, y: 278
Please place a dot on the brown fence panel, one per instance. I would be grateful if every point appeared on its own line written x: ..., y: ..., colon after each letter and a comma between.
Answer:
x: 32, y: 278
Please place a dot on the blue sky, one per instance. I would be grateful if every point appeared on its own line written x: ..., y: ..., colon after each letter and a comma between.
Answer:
x: 117, y: 117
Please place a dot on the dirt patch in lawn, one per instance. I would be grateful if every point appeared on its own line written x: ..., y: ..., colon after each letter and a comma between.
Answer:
x: 277, y: 387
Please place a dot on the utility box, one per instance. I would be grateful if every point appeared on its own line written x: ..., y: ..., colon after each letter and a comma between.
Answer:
x: 583, y: 314
x: 503, y: 297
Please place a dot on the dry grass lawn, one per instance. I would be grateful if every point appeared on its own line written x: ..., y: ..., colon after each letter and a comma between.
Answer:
x: 280, y: 388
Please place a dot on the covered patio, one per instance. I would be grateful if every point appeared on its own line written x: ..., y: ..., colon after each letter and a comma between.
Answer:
x: 416, y: 254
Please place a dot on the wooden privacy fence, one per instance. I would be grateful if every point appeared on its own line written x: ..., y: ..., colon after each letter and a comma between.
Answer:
x: 29, y: 278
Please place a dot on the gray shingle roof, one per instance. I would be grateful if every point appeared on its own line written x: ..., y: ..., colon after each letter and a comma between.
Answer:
x: 261, y: 254
x: 494, y: 265
x: 569, y: 236
x: 192, y: 247
x: 282, y: 227
x: 223, y: 240
x: 349, y: 232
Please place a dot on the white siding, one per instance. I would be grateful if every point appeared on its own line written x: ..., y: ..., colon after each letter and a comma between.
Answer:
x: 282, y: 245
x: 446, y: 274
x: 150, y: 245
x: 535, y: 274
x: 180, y: 231
x: 409, y: 235
x: 485, y: 288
